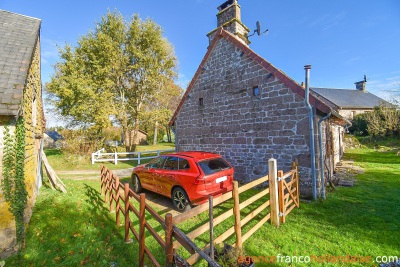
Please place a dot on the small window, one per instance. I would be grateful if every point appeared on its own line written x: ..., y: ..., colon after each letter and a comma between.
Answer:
x: 201, y: 102
x: 256, y: 91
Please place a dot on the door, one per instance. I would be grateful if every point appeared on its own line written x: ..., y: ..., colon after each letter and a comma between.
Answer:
x: 154, y: 168
x: 175, y: 172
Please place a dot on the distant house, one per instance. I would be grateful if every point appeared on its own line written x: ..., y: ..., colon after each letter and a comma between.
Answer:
x: 51, y: 139
x: 141, y: 138
x: 239, y: 105
x: 350, y: 102
x: 20, y: 97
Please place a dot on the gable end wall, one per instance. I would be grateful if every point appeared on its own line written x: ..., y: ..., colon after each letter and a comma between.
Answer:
x: 247, y: 130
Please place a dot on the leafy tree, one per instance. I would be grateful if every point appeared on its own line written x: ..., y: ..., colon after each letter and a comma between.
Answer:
x: 112, y: 73
x: 382, y: 121
x: 163, y: 105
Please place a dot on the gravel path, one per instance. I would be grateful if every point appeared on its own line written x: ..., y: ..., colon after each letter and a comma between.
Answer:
x: 91, y: 174
x: 163, y: 204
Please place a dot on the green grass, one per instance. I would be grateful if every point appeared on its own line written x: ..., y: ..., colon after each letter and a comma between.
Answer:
x: 63, y: 161
x: 76, y: 229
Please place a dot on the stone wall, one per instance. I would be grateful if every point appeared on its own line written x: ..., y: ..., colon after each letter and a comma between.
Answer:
x: 32, y: 108
x: 222, y: 114
x: 33, y: 116
x: 351, y: 113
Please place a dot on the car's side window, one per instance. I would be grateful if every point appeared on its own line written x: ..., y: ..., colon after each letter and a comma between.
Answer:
x: 171, y: 163
x: 183, y: 164
x: 157, y: 163
x: 176, y: 163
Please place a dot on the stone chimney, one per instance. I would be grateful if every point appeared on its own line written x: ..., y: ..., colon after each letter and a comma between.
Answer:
x: 361, y: 85
x: 229, y: 18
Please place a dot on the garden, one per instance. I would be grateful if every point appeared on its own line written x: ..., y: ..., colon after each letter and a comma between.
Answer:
x: 354, y: 226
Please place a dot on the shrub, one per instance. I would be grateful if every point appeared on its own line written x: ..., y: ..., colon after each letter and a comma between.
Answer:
x: 360, y: 124
x: 382, y: 121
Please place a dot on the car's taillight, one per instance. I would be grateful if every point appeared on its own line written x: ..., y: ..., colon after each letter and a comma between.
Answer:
x: 199, y: 180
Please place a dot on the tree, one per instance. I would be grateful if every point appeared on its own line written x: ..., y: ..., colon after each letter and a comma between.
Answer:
x: 382, y: 121
x: 163, y: 105
x: 112, y: 73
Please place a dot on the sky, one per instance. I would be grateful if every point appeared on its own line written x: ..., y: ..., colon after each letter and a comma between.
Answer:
x: 343, y: 40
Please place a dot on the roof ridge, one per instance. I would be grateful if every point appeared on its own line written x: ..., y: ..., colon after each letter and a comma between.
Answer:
x: 20, y: 15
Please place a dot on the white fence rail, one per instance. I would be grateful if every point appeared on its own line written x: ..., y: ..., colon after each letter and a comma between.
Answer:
x: 99, y: 156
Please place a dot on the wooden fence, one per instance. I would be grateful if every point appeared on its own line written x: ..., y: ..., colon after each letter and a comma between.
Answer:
x: 283, y: 197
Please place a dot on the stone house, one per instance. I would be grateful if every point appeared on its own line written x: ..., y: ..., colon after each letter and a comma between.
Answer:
x: 20, y: 97
x: 241, y: 106
x: 141, y: 138
x: 52, y: 139
x: 350, y: 102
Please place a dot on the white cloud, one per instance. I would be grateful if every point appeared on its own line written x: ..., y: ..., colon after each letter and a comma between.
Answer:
x: 328, y: 21
x: 385, y: 87
x: 183, y: 81
x: 49, y: 51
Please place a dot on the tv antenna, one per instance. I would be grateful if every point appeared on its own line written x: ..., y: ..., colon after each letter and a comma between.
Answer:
x: 258, y: 30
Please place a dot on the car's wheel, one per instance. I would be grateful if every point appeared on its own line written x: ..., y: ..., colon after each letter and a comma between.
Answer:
x: 136, y: 186
x: 180, y: 200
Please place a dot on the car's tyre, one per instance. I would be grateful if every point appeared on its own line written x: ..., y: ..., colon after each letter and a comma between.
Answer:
x: 136, y: 186
x: 180, y: 200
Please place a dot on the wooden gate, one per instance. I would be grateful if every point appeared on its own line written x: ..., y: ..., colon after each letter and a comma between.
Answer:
x: 288, y: 192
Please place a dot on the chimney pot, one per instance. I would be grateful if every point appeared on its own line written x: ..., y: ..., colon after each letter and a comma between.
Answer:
x: 229, y: 17
x: 361, y: 85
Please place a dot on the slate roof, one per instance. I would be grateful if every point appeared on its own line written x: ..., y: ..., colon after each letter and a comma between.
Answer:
x: 349, y: 98
x: 54, y: 135
x: 18, y: 36
x: 294, y: 86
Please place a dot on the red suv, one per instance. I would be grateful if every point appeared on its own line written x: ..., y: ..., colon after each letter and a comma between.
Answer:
x: 185, y: 177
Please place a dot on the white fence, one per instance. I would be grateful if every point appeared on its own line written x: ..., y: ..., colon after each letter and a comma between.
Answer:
x: 99, y: 156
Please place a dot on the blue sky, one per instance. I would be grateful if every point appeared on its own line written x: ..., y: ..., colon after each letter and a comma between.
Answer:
x: 341, y: 39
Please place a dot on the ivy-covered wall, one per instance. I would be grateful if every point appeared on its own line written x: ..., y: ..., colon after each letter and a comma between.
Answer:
x: 32, y: 112
x: 7, y: 222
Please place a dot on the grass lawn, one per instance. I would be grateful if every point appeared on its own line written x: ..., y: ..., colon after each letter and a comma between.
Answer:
x: 64, y: 161
x: 75, y: 229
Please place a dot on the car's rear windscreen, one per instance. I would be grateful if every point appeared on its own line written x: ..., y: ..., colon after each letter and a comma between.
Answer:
x: 213, y: 166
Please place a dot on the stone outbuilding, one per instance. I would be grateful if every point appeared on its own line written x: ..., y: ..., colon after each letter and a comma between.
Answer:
x: 241, y: 106
x: 21, y: 112
x: 52, y: 139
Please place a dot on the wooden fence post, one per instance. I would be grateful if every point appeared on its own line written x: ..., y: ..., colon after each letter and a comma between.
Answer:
x: 297, y: 185
x: 102, y: 177
x: 211, y: 217
x: 281, y: 195
x: 126, y: 213
x: 117, y: 205
x: 112, y: 192
x: 236, y: 212
x: 142, y: 223
x: 169, y: 245
x: 273, y: 191
x: 106, y: 186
